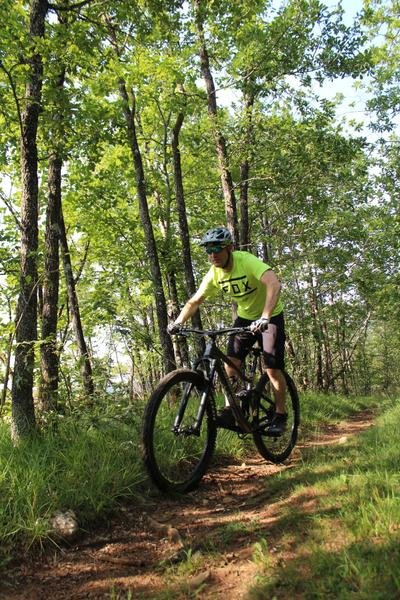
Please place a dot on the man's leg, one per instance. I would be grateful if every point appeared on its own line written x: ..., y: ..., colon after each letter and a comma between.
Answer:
x: 225, y: 416
x: 231, y: 373
x: 238, y: 347
x: 274, y: 349
x: 278, y: 383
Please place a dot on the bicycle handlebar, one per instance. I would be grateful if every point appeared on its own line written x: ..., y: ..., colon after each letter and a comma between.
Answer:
x: 211, y: 332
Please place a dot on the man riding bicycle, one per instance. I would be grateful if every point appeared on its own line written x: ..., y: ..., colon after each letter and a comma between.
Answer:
x: 255, y: 288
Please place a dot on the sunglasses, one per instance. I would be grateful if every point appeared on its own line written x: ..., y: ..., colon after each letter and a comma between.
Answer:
x: 214, y: 249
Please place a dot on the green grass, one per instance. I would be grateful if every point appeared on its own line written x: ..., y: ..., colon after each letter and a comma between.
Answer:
x: 316, y: 410
x: 338, y: 535
x: 319, y: 409
x: 85, y: 464
x: 339, y: 524
x: 229, y: 444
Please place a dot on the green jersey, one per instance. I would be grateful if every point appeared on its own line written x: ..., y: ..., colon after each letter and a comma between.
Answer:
x: 242, y: 284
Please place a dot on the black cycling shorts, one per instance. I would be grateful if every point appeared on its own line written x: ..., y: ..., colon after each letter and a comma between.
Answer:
x: 272, y: 340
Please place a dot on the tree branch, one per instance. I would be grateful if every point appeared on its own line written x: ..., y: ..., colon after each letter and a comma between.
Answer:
x: 66, y: 7
x: 14, y: 93
x: 11, y: 209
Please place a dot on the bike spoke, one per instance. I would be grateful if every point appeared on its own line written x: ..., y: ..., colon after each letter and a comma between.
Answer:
x: 276, y: 448
x: 178, y: 449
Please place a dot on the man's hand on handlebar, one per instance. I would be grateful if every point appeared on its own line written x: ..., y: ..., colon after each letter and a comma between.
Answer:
x: 260, y: 325
x: 174, y: 328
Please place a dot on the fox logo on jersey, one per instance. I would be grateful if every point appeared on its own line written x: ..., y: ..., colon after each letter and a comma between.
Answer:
x: 239, y: 286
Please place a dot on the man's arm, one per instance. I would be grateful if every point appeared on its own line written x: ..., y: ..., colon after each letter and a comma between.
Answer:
x: 273, y: 285
x: 191, y: 306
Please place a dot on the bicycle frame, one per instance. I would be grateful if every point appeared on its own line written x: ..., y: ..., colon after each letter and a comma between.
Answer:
x: 214, y: 359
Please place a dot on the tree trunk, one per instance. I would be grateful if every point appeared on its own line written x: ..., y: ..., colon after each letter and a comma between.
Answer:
x: 317, y: 333
x: 303, y: 364
x: 264, y: 248
x: 151, y: 248
x: 48, y: 391
x: 86, y: 366
x: 181, y: 207
x: 7, y: 362
x: 152, y: 364
x: 220, y: 144
x: 23, y: 411
x: 181, y: 349
x: 49, y: 352
x: 329, y: 384
x: 244, y: 233
x: 183, y: 224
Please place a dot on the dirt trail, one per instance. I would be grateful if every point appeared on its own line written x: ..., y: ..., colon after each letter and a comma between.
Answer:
x: 122, y: 560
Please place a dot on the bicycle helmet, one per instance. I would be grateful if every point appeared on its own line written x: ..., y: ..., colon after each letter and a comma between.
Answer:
x: 217, y: 235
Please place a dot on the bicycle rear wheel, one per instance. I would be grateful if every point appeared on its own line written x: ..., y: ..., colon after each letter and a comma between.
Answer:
x: 175, y: 454
x: 276, y: 449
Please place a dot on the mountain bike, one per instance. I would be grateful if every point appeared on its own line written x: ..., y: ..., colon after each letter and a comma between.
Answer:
x: 179, y: 424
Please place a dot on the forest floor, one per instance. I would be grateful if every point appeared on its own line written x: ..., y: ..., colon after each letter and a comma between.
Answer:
x: 152, y: 550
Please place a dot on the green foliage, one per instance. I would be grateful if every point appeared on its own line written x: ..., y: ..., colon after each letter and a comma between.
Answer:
x: 229, y: 444
x: 322, y: 204
x: 382, y: 21
x: 82, y: 462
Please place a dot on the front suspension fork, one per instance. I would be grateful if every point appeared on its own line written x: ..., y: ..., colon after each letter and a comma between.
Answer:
x: 193, y: 429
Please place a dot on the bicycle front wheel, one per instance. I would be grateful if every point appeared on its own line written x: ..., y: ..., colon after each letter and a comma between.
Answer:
x: 276, y: 448
x: 176, y: 448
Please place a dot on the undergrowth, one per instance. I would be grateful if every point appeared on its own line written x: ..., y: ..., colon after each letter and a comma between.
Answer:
x: 87, y: 462
x: 90, y: 462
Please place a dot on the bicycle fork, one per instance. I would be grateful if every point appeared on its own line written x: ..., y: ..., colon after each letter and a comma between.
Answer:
x: 194, y: 429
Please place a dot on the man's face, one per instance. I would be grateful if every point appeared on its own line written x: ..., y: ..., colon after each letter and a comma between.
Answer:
x: 218, y: 255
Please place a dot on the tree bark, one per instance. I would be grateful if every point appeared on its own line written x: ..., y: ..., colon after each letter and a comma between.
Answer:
x: 7, y: 363
x: 183, y: 223
x: 317, y: 333
x: 181, y: 349
x: 151, y: 248
x: 86, y: 366
x: 49, y: 352
x: 48, y: 390
x: 23, y: 411
x: 181, y: 207
x: 220, y: 143
x: 265, y: 250
x: 244, y: 230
